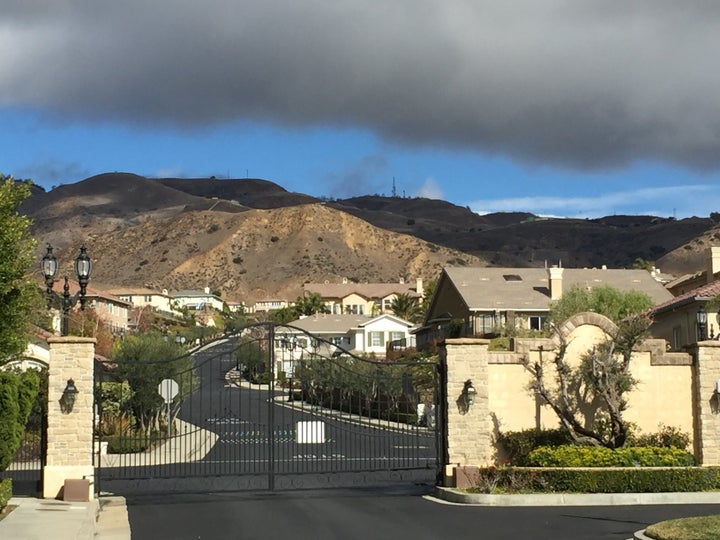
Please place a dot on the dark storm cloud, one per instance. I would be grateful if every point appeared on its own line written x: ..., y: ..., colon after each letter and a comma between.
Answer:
x: 586, y: 84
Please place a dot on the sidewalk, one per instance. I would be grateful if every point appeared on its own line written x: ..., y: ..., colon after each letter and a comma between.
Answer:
x: 41, y: 519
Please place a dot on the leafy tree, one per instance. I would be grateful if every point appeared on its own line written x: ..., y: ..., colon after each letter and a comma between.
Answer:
x: 406, y: 307
x: 428, y: 293
x: 608, y: 301
x: 19, y: 295
x: 310, y: 305
x: 641, y: 264
x: 143, y: 361
x: 88, y: 323
x: 17, y: 396
x: 282, y: 315
x: 589, y: 399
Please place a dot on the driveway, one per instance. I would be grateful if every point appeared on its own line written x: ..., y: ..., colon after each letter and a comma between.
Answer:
x: 380, y: 513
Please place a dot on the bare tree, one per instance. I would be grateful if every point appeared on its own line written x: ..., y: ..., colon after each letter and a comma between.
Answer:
x: 589, y: 399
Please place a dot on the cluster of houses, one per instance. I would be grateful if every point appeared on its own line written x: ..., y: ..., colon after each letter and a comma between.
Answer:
x: 467, y: 301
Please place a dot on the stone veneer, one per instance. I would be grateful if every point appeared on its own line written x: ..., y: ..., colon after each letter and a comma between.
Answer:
x: 69, y: 436
x: 469, y: 431
x: 706, y: 402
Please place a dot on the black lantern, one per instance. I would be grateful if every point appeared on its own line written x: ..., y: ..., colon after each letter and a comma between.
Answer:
x: 83, y: 268
x: 67, y: 400
x: 469, y: 393
x: 701, y: 319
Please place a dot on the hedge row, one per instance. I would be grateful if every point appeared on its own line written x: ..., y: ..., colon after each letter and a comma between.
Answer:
x: 5, y: 492
x: 612, y: 480
x: 598, y: 456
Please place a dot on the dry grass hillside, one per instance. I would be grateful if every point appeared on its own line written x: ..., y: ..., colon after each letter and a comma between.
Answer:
x: 251, y: 239
x: 261, y: 254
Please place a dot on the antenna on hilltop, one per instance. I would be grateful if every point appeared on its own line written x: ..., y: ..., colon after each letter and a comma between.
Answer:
x: 394, y: 191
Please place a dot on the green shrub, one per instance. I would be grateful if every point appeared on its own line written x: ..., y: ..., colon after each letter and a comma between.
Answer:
x: 263, y: 378
x: 594, y: 456
x: 518, y: 444
x: 5, y: 492
x: 609, y: 480
x: 666, y: 437
x: 128, y: 445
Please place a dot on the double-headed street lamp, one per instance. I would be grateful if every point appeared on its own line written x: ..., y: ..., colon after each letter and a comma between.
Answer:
x: 83, y: 267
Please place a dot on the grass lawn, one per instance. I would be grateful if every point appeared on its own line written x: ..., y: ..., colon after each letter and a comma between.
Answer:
x: 694, y: 528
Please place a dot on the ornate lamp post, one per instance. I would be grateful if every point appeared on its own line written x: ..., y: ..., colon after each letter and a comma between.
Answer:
x: 83, y: 267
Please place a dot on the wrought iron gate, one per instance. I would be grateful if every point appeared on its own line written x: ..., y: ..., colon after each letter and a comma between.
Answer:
x: 267, y: 408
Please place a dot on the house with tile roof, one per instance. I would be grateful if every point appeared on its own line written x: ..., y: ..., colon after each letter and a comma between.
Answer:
x: 111, y: 309
x: 694, y: 313
x: 143, y: 297
x: 362, y: 298
x: 480, y: 301
x: 338, y: 333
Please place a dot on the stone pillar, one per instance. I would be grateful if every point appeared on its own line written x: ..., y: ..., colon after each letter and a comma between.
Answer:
x: 706, y: 402
x: 69, y: 434
x: 469, y: 428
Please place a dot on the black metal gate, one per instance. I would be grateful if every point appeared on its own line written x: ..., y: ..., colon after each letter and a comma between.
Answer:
x: 268, y: 408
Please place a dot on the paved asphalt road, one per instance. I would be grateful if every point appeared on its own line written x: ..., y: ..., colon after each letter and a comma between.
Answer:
x: 380, y: 513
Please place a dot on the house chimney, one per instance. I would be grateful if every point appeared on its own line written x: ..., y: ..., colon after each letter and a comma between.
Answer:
x: 712, y: 263
x: 555, y: 282
x: 419, y: 288
x: 207, y: 290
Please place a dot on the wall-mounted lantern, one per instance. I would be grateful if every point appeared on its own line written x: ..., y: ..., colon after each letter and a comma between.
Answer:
x: 701, y: 319
x: 67, y: 400
x: 469, y: 393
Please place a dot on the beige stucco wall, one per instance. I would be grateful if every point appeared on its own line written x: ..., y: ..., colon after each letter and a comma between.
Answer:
x: 664, y: 394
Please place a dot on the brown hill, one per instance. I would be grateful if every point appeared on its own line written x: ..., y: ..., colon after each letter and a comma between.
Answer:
x: 251, y: 239
x: 261, y: 254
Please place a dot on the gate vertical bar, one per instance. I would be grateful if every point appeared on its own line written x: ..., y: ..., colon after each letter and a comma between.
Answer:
x: 441, y: 434
x: 271, y: 408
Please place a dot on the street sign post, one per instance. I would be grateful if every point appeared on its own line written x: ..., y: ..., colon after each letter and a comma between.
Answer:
x: 168, y: 389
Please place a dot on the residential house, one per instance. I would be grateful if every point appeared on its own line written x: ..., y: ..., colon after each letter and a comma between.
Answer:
x: 111, y: 309
x: 481, y: 301
x: 329, y: 334
x: 362, y: 298
x: 690, y: 282
x: 143, y: 297
x: 197, y: 300
x: 692, y: 315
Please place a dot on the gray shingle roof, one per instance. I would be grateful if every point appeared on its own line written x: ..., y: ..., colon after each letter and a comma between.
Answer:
x: 527, y: 288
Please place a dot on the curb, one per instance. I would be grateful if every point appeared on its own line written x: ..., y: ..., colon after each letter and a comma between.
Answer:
x: 456, y: 496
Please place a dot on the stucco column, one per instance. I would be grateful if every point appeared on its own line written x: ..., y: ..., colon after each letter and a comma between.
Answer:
x: 469, y: 428
x: 69, y: 434
x: 706, y: 402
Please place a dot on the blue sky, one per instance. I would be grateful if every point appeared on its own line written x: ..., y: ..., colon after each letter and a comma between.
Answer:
x: 565, y: 108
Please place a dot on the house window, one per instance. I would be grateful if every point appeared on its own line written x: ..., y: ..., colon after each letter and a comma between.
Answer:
x: 676, y: 333
x: 396, y: 336
x: 536, y: 322
x: 484, y: 324
x: 337, y: 340
x: 375, y: 339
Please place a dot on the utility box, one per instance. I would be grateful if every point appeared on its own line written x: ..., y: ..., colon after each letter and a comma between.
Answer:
x: 76, y: 490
